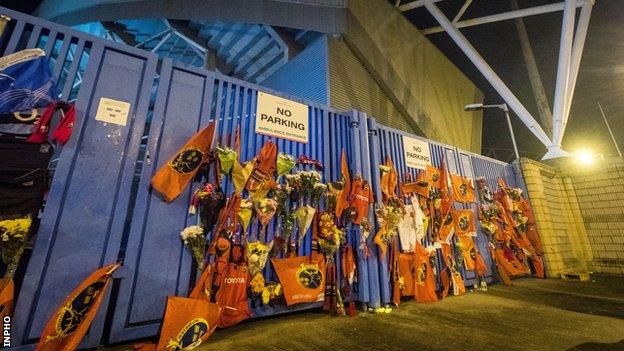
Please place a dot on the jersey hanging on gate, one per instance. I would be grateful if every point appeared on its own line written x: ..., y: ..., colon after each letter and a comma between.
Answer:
x: 25, y: 81
x: 174, y: 176
x: 70, y: 322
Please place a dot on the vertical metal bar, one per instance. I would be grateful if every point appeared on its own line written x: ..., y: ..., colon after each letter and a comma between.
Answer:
x: 34, y: 37
x: 610, y: 131
x: 577, y: 53
x: 73, y: 69
x: 15, y: 37
x: 50, y: 43
x: 563, y: 70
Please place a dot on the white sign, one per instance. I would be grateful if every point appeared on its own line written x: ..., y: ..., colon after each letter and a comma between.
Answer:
x: 417, y: 154
x: 281, y: 118
x: 113, y: 111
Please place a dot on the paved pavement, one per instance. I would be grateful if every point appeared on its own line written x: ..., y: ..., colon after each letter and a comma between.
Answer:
x: 531, y: 315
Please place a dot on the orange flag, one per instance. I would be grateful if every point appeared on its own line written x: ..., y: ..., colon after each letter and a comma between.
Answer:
x: 187, y: 324
x: 70, y: 322
x: 6, y: 297
x: 464, y: 222
x: 469, y: 252
x: 175, y: 175
x: 302, y: 278
x: 342, y: 202
x: 389, y: 180
x: 422, y: 186
x: 433, y: 176
x: 463, y: 190
x: 424, y: 282
x: 481, y: 267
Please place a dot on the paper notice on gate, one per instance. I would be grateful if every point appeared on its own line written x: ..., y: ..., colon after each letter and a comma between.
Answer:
x: 417, y: 154
x: 112, y: 111
x: 282, y: 118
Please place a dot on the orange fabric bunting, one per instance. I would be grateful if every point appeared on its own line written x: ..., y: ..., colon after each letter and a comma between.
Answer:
x: 68, y: 325
x: 174, y: 176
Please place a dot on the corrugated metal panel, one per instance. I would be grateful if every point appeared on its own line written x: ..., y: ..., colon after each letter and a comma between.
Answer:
x: 351, y: 86
x: 304, y: 76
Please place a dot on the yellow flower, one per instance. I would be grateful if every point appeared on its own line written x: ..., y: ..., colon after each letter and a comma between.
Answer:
x: 15, y: 228
x: 266, y: 296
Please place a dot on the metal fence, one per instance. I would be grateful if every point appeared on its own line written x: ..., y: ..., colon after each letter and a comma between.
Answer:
x: 100, y: 209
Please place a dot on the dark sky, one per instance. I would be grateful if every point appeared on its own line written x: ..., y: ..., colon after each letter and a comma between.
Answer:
x: 601, y: 76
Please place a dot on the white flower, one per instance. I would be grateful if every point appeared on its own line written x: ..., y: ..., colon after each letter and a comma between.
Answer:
x: 191, y: 232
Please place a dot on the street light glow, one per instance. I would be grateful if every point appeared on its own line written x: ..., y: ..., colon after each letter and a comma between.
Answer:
x: 584, y: 157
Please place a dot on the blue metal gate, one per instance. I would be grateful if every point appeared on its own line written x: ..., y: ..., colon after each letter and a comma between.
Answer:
x: 100, y: 210
x: 386, y: 141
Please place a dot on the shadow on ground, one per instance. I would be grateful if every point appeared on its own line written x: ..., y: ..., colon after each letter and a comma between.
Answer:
x: 531, y: 315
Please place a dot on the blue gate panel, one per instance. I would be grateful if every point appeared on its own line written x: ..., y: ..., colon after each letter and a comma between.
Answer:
x: 86, y: 207
x: 156, y: 262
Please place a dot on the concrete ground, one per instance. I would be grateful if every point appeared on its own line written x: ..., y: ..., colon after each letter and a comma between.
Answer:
x: 531, y: 315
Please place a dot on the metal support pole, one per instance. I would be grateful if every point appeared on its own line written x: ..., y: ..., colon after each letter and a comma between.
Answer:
x: 489, y: 73
x: 577, y: 52
x: 161, y: 42
x: 543, y: 106
x: 563, y: 70
x: 610, y: 131
x: 511, y: 132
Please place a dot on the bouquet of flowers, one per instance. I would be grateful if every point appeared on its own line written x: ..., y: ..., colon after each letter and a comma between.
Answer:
x: 308, y: 180
x: 293, y: 181
x: 265, y: 210
x: 329, y: 237
x: 304, y: 215
x: 257, y: 255
x: 261, y: 289
x: 244, y: 214
x: 210, y: 201
x: 194, y: 237
x: 285, y: 163
x: 227, y: 157
x: 333, y: 192
x: 14, y: 235
x: 317, y: 193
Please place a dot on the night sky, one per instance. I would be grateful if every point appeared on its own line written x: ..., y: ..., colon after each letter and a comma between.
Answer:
x: 601, y: 76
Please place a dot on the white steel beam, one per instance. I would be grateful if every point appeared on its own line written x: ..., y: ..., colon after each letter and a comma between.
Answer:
x: 563, y: 75
x: 414, y: 4
x: 577, y: 53
x: 531, y: 11
x: 488, y: 73
x: 462, y: 10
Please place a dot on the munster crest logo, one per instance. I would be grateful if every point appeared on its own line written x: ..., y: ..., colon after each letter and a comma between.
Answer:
x: 309, y: 276
x: 187, y: 160
x: 75, y: 311
x: 189, y: 336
